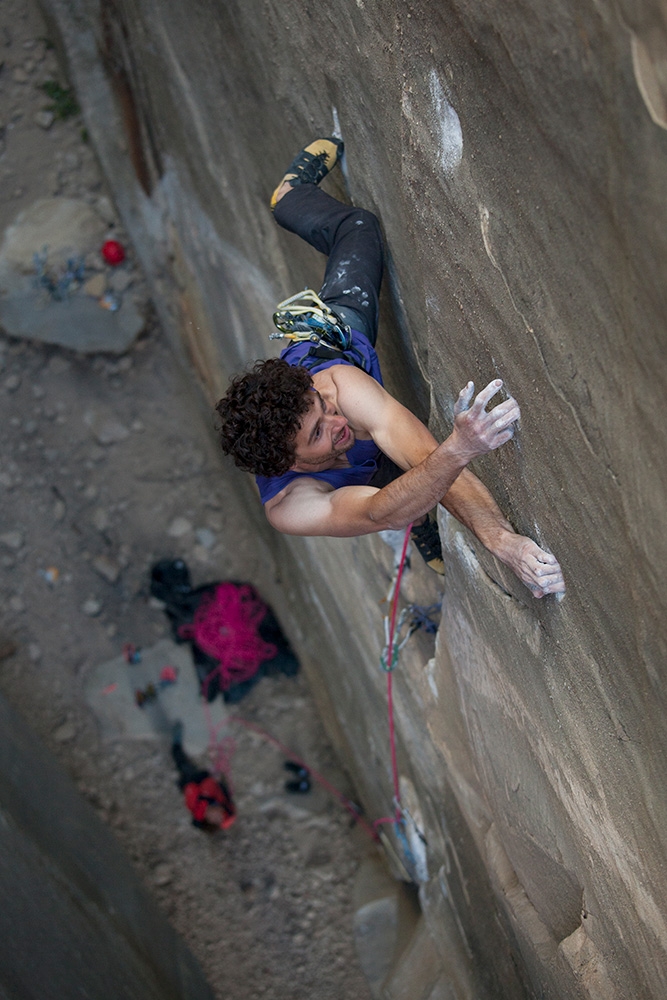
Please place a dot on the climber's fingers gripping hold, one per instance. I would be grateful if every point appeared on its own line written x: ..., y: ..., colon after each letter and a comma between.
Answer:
x: 478, y: 430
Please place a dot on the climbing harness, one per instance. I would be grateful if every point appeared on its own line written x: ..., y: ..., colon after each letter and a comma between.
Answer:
x: 306, y: 319
x: 305, y: 316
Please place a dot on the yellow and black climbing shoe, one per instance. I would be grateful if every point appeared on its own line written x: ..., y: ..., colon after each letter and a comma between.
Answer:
x: 311, y: 165
x: 426, y: 539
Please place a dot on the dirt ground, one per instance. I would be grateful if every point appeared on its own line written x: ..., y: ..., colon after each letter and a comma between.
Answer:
x: 266, y: 907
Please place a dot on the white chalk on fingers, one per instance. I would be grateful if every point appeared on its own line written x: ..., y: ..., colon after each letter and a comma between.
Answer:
x: 465, y: 396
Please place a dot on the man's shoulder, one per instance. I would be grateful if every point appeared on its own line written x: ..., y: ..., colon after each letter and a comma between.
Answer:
x: 342, y: 374
x: 300, y: 486
x: 347, y: 377
x: 287, y: 510
x: 273, y: 488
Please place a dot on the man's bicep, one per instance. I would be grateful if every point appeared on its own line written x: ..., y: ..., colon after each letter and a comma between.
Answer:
x: 396, y: 430
x: 402, y: 436
x: 341, y: 513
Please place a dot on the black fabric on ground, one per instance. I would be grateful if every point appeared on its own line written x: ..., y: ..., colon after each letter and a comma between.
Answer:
x: 187, y: 770
x: 171, y: 583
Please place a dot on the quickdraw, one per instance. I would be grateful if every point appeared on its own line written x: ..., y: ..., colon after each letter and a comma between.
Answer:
x: 305, y: 316
x: 415, y: 617
x: 412, y: 618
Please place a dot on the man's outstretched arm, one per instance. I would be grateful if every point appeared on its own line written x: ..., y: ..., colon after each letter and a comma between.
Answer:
x: 406, y: 440
x: 307, y: 507
x: 469, y: 501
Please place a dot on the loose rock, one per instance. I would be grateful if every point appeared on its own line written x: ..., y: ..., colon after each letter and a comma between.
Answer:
x: 205, y: 537
x: 179, y: 527
x: 163, y: 875
x: 100, y: 519
x: 91, y: 607
x: 12, y: 540
x: 107, y: 568
x: 96, y: 286
x: 106, y: 429
x: 65, y: 733
x: 44, y: 119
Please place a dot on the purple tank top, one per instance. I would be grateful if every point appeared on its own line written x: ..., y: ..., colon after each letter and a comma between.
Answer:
x: 363, y: 455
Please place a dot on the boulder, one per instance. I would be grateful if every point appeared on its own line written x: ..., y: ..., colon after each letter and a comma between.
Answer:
x: 59, y: 230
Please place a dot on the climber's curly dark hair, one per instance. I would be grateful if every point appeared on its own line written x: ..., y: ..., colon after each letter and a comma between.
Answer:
x: 260, y: 415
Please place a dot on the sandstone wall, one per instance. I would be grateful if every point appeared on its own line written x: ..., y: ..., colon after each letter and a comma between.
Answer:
x: 516, y: 155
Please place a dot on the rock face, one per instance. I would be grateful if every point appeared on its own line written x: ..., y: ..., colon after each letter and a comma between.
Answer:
x: 70, y: 883
x: 516, y: 157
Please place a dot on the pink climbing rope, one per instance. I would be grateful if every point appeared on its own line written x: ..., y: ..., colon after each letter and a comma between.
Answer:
x: 396, y: 818
x: 213, y: 633
x: 225, y: 626
x: 319, y: 778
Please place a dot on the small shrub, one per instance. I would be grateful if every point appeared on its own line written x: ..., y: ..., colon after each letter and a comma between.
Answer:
x: 64, y: 104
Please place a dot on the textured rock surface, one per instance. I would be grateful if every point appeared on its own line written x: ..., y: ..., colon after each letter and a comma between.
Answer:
x: 99, y: 932
x: 516, y: 156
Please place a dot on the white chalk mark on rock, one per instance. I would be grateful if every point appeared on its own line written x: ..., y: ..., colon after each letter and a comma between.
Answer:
x: 448, y: 127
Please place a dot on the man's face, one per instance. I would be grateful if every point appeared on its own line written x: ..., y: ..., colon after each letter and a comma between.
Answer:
x: 323, y: 436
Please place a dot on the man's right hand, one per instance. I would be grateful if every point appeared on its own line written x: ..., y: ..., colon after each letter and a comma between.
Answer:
x: 478, y: 431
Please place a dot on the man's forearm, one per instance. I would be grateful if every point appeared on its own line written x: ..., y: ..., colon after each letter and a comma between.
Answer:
x: 419, y: 489
x: 476, y: 431
x: 469, y: 501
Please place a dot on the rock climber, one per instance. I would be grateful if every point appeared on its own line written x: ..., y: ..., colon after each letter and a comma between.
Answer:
x: 333, y: 452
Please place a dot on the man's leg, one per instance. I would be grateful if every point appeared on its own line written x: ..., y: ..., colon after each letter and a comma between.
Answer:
x: 352, y: 240
x: 349, y: 236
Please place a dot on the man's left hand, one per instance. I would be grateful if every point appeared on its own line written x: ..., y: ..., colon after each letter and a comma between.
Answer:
x: 539, y: 570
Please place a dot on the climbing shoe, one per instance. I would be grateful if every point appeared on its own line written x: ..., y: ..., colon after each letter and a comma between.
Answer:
x: 299, y: 787
x: 296, y: 769
x: 426, y: 539
x: 311, y: 165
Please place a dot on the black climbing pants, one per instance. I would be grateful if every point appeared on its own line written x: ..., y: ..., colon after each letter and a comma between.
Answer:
x: 352, y: 240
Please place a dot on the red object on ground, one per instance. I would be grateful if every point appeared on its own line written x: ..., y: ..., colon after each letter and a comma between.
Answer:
x: 113, y: 252
x: 199, y: 795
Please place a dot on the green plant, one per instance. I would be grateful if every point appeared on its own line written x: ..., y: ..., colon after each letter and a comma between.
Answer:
x: 64, y: 104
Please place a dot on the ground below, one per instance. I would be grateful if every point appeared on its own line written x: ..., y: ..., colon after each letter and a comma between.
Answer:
x: 107, y: 465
